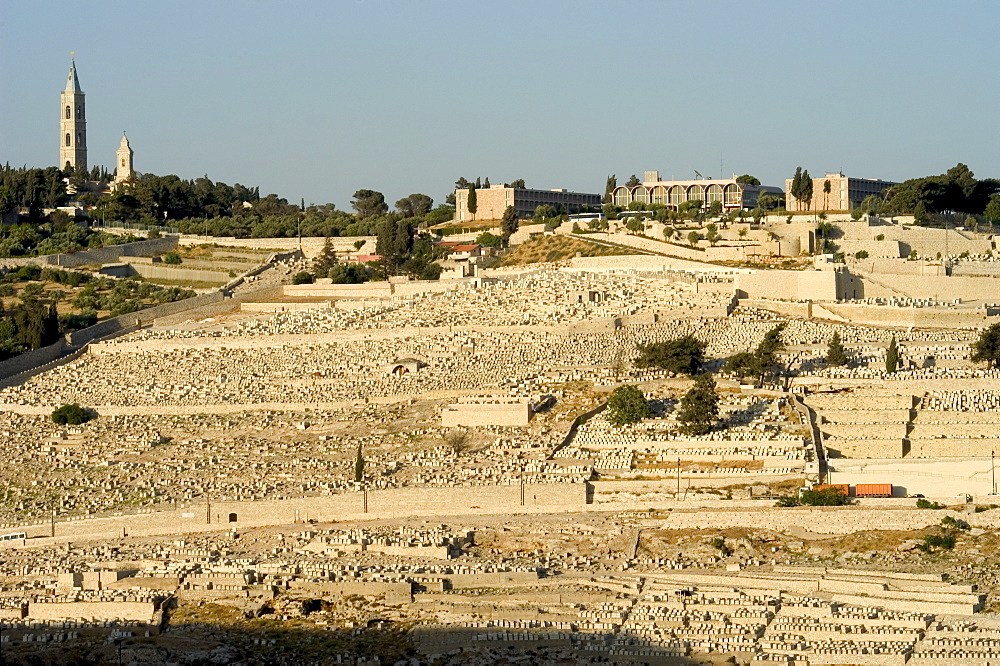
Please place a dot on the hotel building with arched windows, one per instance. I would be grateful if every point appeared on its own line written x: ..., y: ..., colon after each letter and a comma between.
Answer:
x: 672, y: 193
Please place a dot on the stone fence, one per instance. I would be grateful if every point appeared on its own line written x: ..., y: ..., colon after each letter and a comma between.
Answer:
x: 358, y: 505
x: 112, y: 253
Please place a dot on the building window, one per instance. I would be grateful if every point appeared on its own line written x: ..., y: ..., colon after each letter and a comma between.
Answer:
x: 659, y: 195
x: 621, y: 197
x: 640, y: 194
x: 696, y: 193
x: 79, y: 112
x: 734, y: 197
x: 714, y: 193
x: 68, y: 114
x: 676, y: 195
x: 68, y: 139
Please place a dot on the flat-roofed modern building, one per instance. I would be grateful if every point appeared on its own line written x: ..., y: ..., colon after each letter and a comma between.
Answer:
x: 845, y: 193
x: 672, y: 193
x: 493, y: 201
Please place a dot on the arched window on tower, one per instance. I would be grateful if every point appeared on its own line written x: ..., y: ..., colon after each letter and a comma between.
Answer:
x: 79, y: 139
x: 68, y: 139
x: 79, y: 111
x: 68, y: 113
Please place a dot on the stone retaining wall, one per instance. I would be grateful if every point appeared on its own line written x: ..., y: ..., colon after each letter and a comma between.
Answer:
x: 113, y: 253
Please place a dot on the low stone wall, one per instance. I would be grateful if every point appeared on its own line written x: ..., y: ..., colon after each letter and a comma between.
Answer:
x: 898, y: 317
x: 789, y: 285
x: 397, y: 591
x: 83, y: 336
x: 391, y: 503
x: 507, y: 412
x: 311, y: 246
x: 32, y: 359
x: 113, y: 253
x: 787, y: 308
x: 909, y: 605
x: 937, y: 287
x: 138, y: 611
x: 168, y: 272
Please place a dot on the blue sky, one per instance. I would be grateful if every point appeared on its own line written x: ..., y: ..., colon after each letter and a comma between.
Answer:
x: 319, y: 99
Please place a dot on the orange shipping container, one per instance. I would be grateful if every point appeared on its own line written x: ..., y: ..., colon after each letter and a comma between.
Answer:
x: 873, y: 490
x: 844, y: 489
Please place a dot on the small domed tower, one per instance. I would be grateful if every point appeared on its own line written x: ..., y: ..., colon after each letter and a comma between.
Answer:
x: 123, y: 165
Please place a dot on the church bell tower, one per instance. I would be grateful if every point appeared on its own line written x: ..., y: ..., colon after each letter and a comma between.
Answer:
x: 72, y: 123
x: 123, y: 166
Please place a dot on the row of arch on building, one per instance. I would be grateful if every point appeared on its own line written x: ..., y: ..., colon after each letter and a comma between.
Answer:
x: 729, y: 194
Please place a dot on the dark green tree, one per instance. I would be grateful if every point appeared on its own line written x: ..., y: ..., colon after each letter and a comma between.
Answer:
x: 807, y: 188
x: 415, y: 205
x: 609, y: 187
x: 987, y: 347
x: 359, y: 466
x: 472, y: 204
x: 767, y: 352
x: 50, y: 326
x: 892, y: 356
x: 681, y: 355
x: 992, y: 211
x: 347, y: 274
x: 627, y: 404
x: 517, y: 184
x: 835, y: 354
x: 712, y: 231
x: 795, y: 188
x: 326, y: 259
x: 747, y: 179
x: 369, y: 203
x: 394, y: 242
x: 742, y: 364
x: 508, y: 225
x: 544, y: 212
x: 699, y: 408
x: 824, y: 497
x: 633, y: 181
x: 486, y: 239
x: 71, y: 414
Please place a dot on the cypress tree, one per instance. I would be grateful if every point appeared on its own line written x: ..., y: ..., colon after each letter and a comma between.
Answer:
x: 359, y: 466
x: 807, y: 188
x: 609, y: 188
x: 835, y: 351
x: 892, y: 356
x: 472, y: 200
x: 795, y: 189
x: 486, y: 183
x: 50, y: 326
